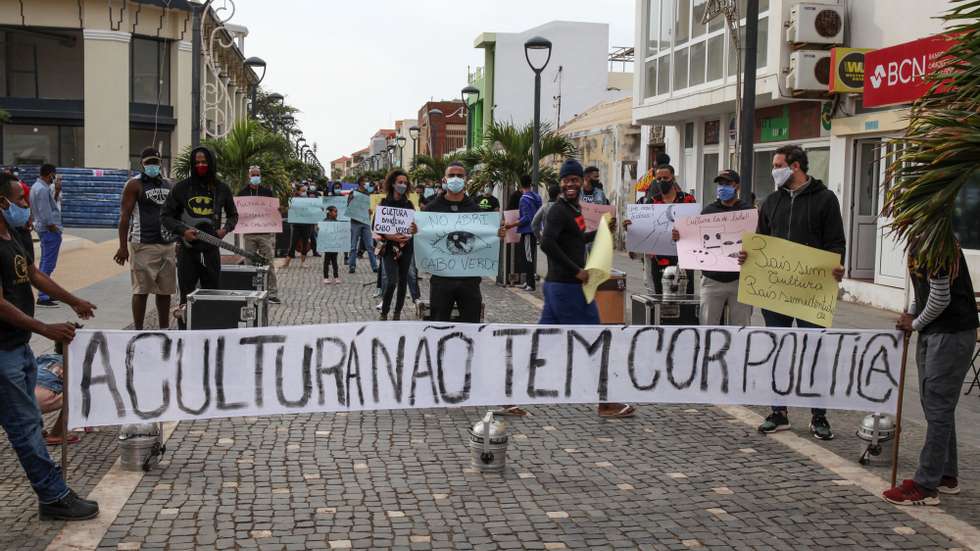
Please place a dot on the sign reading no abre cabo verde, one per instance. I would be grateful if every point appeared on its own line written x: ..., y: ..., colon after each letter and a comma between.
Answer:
x: 118, y: 377
x: 457, y: 244
x: 789, y: 278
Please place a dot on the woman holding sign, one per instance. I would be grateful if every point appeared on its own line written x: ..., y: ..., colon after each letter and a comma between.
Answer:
x: 396, y: 247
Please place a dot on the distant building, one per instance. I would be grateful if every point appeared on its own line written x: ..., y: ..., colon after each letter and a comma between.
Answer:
x: 406, y: 155
x: 442, y: 127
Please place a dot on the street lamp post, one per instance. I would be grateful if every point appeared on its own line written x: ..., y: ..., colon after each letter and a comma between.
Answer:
x: 536, y: 43
x: 300, y: 143
x: 400, y: 140
x: 254, y: 62
x: 465, y: 93
x: 390, y: 155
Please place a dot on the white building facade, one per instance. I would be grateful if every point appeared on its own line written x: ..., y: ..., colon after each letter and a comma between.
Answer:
x: 686, y: 80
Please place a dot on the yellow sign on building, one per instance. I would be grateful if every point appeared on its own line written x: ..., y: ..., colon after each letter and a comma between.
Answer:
x: 847, y: 70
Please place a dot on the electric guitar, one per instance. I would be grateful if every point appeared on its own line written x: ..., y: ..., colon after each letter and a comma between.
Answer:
x: 203, y: 235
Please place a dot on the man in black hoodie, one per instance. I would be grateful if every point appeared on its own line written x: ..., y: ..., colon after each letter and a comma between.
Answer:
x: 804, y: 211
x: 196, y: 205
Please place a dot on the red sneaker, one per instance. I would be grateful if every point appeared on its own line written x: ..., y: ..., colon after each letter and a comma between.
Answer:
x: 949, y: 485
x: 910, y: 493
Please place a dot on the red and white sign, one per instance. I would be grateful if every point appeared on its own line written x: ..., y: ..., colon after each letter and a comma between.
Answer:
x: 897, y: 74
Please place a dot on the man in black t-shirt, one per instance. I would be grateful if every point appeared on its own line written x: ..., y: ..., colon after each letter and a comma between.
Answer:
x: 19, y: 413
x: 487, y: 202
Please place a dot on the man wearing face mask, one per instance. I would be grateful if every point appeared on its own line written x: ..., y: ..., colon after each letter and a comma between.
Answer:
x: 360, y: 233
x: 663, y: 190
x: 804, y: 211
x: 487, y: 202
x: 263, y: 244
x: 143, y: 241
x: 46, y: 209
x: 196, y: 204
x: 592, y: 188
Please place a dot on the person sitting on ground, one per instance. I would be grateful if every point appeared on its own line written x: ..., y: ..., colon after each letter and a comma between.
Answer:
x: 49, y: 392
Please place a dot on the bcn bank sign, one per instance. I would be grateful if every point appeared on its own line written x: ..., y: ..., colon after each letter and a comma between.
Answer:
x: 898, y: 74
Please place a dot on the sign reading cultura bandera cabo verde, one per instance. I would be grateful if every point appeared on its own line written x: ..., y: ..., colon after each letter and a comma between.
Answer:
x: 119, y: 377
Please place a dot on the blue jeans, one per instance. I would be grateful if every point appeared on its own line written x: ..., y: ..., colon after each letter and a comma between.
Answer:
x: 21, y: 419
x: 361, y: 233
x: 564, y: 304
x: 775, y: 319
x: 50, y: 245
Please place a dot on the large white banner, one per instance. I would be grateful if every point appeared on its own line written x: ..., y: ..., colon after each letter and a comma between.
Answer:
x: 118, y: 377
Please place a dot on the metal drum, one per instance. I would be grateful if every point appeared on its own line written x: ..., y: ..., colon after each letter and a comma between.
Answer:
x: 140, y: 446
x: 488, y: 444
x: 875, y: 429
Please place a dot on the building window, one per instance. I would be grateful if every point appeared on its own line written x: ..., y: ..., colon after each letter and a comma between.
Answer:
x: 41, y: 65
x: 140, y: 139
x: 26, y: 144
x: 708, y: 184
x: 680, y: 69
x: 682, y: 21
x: 697, y: 63
x: 966, y: 211
x: 150, y: 71
x: 688, y: 135
x: 712, y: 131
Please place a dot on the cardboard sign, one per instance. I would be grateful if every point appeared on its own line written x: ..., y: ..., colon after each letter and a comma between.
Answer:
x: 789, y: 278
x: 712, y: 241
x: 393, y: 220
x: 339, y: 202
x: 358, y: 209
x: 511, y: 217
x: 651, y: 226
x: 592, y: 213
x: 457, y: 245
x: 333, y: 237
x: 120, y: 377
x: 306, y: 210
x: 258, y: 215
x: 600, y: 261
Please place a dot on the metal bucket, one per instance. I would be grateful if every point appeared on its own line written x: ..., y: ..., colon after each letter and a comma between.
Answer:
x: 140, y: 446
x: 488, y: 444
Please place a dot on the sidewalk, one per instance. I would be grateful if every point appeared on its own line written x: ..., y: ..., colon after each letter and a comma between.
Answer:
x: 674, y: 477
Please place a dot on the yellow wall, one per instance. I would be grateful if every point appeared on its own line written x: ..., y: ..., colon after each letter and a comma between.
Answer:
x: 180, y: 88
x: 107, y: 99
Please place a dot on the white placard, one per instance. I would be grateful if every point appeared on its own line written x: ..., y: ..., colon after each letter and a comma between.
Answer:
x: 651, y: 225
x: 118, y: 377
x: 393, y: 220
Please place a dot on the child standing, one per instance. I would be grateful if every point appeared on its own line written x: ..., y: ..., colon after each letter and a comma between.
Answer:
x: 330, y: 258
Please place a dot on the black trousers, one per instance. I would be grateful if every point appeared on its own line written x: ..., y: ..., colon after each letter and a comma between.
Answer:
x: 464, y: 292
x: 396, y: 278
x: 196, y: 267
x: 330, y: 260
x: 528, y: 258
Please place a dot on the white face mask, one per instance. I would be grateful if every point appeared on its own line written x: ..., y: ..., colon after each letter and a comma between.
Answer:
x: 781, y: 175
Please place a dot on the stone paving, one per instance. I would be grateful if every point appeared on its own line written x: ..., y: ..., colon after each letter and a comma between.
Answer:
x: 674, y: 477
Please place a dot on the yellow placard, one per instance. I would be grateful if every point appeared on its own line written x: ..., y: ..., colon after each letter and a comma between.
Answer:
x: 600, y: 259
x: 789, y: 278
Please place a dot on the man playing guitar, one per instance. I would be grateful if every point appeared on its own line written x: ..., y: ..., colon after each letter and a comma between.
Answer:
x: 196, y: 205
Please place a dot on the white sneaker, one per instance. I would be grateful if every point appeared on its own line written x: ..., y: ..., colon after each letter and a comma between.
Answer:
x: 336, y: 280
x: 378, y: 307
x: 326, y: 280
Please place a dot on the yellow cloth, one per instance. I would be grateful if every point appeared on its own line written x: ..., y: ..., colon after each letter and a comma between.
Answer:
x: 789, y: 278
x: 600, y: 259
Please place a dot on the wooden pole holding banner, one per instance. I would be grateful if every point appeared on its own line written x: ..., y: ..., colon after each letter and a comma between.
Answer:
x: 64, y: 411
x: 898, y: 412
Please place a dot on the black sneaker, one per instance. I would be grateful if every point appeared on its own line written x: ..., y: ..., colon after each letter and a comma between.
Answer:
x: 47, y: 303
x: 350, y: 270
x: 274, y: 300
x: 820, y: 428
x: 70, y: 507
x: 777, y: 421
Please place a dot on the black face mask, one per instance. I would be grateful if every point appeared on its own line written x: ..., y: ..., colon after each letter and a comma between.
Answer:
x: 666, y: 185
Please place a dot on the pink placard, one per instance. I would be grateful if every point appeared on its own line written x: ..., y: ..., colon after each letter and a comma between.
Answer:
x: 593, y: 213
x: 510, y: 217
x: 712, y: 241
x: 258, y: 215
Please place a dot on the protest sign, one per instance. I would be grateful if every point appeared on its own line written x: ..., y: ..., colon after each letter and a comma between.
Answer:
x: 119, y: 377
x: 339, y: 202
x: 457, y: 245
x: 511, y: 217
x: 358, y: 208
x: 651, y: 225
x: 333, y: 237
x: 258, y: 215
x: 599, y: 263
x: 393, y: 220
x: 305, y: 210
x: 789, y: 278
x: 592, y: 213
x: 713, y: 241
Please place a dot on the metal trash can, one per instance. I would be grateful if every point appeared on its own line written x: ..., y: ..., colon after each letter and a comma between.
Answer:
x: 610, y: 298
x: 140, y: 446
x: 488, y: 444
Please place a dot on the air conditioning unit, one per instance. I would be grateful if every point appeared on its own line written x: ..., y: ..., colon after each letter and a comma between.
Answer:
x: 809, y: 71
x: 816, y: 24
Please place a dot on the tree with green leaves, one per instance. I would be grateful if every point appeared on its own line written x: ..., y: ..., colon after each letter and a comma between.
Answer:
x: 425, y: 167
x: 506, y: 154
x: 4, y: 116
x: 938, y: 159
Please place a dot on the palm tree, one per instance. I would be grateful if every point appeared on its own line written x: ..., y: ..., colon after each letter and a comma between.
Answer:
x: 4, y: 116
x: 507, y: 157
x: 938, y: 156
x: 425, y: 167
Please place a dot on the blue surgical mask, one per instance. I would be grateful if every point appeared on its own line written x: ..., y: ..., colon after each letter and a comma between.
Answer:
x: 455, y: 185
x: 429, y: 192
x: 255, y: 180
x: 725, y: 193
x: 153, y: 171
x: 16, y: 215
x: 369, y: 188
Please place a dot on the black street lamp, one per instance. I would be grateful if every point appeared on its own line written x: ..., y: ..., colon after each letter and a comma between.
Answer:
x: 299, y: 146
x: 390, y: 155
x: 432, y: 133
x: 253, y: 63
x: 465, y: 93
x: 400, y: 140
x: 537, y: 43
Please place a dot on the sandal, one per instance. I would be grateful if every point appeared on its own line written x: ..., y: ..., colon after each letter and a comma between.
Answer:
x: 56, y: 440
x: 622, y: 413
x: 512, y: 411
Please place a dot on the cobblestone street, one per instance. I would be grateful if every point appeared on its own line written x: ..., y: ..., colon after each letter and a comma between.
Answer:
x: 674, y: 477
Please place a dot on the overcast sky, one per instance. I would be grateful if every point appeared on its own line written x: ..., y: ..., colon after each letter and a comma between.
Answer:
x: 354, y: 66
